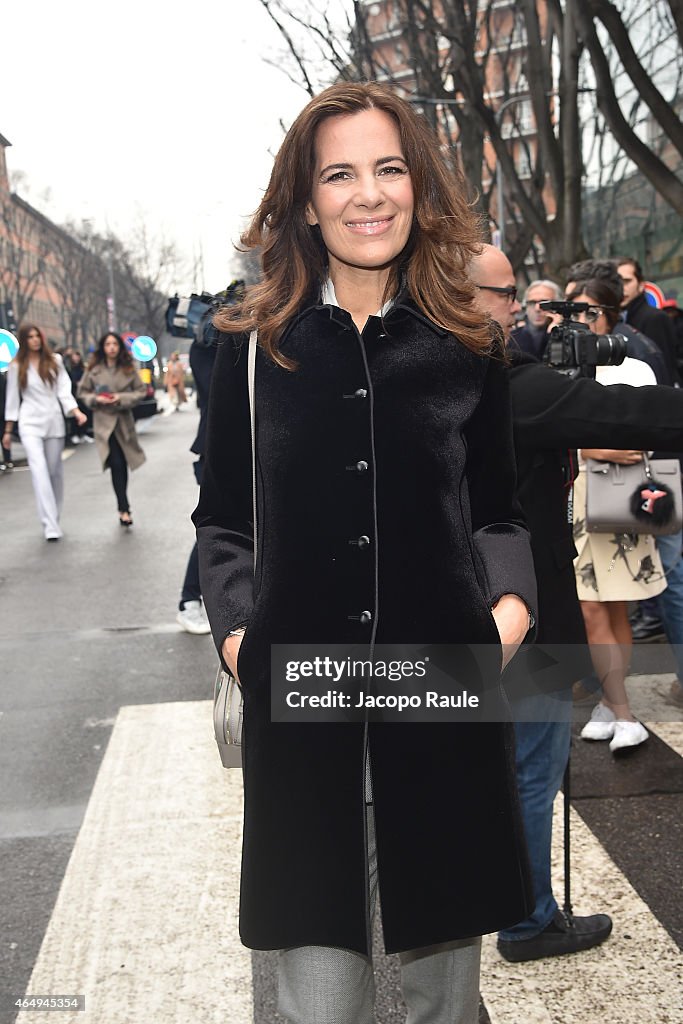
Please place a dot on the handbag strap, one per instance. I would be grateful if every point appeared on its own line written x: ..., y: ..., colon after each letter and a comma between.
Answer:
x: 251, y: 375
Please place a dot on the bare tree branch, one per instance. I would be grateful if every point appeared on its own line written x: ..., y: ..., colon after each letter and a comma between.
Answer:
x: 671, y: 125
x: 654, y: 169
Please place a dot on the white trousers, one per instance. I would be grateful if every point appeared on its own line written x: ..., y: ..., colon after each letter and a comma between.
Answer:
x: 325, y: 985
x: 44, y: 456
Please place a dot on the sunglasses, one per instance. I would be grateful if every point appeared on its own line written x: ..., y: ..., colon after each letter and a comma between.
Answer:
x: 510, y: 292
x: 592, y: 314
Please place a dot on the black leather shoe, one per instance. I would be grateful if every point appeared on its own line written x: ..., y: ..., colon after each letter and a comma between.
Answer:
x: 562, y: 935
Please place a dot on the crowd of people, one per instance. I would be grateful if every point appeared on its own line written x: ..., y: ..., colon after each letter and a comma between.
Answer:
x: 395, y: 466
x: 631, y: 587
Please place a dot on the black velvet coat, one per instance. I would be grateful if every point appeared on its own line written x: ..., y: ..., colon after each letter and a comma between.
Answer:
x: 403, y: 436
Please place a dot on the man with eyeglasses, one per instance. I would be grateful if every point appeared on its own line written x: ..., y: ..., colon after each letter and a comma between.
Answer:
x: 533, y: 337
x: 552, y: 414
x: 495, y: 281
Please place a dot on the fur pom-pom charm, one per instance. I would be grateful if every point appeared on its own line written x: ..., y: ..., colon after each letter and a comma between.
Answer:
x: 653, y: 503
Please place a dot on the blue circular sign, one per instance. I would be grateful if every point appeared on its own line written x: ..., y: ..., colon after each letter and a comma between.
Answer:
x: 9, y: 346
x: 144, y: 348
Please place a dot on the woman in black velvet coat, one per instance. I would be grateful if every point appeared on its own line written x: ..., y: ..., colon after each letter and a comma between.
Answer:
x: 385, y: 512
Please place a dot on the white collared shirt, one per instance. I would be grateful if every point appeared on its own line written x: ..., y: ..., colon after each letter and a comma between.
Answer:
x: 328, y: 297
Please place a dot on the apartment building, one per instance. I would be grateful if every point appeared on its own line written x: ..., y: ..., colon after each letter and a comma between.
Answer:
x: 497, y: 45
x: 33, y: 251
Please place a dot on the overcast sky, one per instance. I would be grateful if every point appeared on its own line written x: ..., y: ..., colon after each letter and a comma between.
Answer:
x: 164, y: 110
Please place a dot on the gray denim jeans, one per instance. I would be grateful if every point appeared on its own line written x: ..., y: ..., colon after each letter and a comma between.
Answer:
x: 325, y: 985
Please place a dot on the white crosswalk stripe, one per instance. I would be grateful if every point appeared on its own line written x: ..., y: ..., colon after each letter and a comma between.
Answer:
x: 145, y: 924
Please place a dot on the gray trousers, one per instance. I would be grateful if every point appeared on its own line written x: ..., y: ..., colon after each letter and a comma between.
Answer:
x: 324, y: 985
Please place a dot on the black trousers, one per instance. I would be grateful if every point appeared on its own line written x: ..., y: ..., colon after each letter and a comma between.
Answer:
x: 116, y: 462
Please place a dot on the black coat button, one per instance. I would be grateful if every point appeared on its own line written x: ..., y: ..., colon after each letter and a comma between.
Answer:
x: 366, y: 617
x: 361, y: 393
x: 361, y: 466
x: 363, y: 541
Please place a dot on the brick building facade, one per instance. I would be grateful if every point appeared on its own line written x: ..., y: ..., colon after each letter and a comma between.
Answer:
x: 34, y: 254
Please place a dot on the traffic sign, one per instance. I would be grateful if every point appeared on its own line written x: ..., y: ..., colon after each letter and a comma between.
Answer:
x: 654, y: 294
x: 144, y: 348
x: 9, y: 346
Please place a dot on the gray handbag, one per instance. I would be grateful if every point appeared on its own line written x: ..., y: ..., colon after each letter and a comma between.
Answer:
x: 641, y: 498
x: 228, y: 703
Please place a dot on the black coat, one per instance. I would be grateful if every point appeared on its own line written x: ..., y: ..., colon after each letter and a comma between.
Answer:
x: 655, y: 324
x: 432, y: 422
x: 553, y: 414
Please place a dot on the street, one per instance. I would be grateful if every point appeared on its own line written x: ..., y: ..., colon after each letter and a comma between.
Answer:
x: 120, y: 831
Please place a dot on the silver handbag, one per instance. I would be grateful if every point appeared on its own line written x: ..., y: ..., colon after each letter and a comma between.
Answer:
x: 228, y: 703
x: 228, y: 708
x: 622, y: 499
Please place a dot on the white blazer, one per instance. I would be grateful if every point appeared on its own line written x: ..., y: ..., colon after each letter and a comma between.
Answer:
x: 38, y: 409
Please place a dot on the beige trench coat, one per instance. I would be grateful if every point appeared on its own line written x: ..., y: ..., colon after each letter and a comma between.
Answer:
x: 117, y: 419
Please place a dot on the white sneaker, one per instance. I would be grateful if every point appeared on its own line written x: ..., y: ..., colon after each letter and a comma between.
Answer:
x: 193, y: 618
x: 88, y: 439
x: 628, y: 734
x: 601, y: 724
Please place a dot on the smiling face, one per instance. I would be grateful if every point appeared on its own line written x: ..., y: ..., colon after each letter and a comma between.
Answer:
x: 362, y: 195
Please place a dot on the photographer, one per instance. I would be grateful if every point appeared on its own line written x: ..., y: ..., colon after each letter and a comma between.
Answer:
x: 553, y: 413
x: 533, y: 337
x: 638, y: 346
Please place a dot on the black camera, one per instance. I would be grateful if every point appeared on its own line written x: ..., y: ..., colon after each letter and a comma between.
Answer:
x: 574, y: 349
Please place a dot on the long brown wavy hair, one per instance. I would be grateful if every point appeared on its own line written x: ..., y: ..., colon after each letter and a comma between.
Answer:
x: 445, y: 234
x: 47, y: 364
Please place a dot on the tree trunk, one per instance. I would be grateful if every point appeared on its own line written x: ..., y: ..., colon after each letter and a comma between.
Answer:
x: 655, y: 170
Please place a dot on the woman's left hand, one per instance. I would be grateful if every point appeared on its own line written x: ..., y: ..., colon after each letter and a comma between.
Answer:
x: 626, y: 457
x: 511, y: 616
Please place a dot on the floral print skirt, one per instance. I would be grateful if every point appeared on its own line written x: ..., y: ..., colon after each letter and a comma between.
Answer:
x: 613, y: 567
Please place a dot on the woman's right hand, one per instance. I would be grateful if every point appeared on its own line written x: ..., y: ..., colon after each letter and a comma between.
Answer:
x: 628, y: 457
x: 230, y: 651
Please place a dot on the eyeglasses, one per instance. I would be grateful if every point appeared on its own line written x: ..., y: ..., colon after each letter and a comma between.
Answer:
x: 510, y: 292
x: 592, y: 314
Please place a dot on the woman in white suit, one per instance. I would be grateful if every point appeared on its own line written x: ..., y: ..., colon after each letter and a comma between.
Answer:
x: 38, y: 398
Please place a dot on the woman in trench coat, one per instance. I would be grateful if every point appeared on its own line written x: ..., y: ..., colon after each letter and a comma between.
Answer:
x: 385, y: 515
x: 111, y: 387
